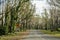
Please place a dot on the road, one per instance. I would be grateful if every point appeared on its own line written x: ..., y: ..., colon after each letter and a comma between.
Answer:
x: 37, y: 35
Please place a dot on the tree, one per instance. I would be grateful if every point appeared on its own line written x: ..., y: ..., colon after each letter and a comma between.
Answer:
x: 17, y: 13
x: 54, y: 4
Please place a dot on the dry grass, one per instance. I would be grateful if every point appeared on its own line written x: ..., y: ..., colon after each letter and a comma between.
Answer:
x: 16, y: 36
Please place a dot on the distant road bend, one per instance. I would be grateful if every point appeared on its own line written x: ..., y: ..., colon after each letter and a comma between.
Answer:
x: 37, y: 35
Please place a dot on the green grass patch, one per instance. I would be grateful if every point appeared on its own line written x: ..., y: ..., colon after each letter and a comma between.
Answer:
x: 54, y: 33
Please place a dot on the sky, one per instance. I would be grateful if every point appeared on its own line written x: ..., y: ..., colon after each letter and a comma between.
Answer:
x: 40, y: 5
x: 2, y: 5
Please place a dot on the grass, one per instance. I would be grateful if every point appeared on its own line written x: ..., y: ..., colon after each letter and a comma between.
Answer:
x: 14, y: 36
x: 54, y: 33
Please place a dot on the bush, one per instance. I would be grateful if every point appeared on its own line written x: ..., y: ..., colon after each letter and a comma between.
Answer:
x: 2, y: 31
